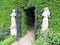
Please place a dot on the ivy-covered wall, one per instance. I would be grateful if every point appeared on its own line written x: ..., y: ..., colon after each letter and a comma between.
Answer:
x: 54, y: 22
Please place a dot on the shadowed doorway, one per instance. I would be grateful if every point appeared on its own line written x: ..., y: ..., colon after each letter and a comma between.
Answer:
x: 30, y: 13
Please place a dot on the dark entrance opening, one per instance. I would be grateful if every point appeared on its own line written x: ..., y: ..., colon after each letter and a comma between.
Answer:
x: 30, y: 13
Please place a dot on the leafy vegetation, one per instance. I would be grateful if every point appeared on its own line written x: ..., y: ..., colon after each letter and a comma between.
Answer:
x: 8, y: 41
x: 4, y: 32
x: 53, y: 37
x: 5, y: 11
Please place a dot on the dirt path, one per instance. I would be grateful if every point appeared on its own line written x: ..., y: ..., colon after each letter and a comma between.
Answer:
x: 27, y: 39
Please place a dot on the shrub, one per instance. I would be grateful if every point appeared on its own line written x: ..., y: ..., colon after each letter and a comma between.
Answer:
x: 4, y: 32
x: 8, y: 41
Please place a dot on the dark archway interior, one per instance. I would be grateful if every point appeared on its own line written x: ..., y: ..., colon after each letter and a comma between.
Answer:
x: 30, y: 13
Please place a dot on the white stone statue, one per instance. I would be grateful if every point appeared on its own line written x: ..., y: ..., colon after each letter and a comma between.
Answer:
x: 13, y: 29
x: 45, y: 15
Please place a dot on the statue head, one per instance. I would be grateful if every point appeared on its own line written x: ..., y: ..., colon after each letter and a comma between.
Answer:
x: 46, y: 12
x: 13, y: 13
x: 46, y: 8
x: 13, y: 10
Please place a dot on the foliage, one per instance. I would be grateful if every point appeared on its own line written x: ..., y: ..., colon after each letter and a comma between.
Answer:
x: 5, y: 11
x: 8, y: 41
x: 24, y: 26
x: 49, y: 38
x: 53, y: 37
x: 54, y: 21
x: 4, y: 32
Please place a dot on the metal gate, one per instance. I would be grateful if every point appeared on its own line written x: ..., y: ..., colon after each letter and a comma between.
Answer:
x: 36, y: 22
x: 18, y: 23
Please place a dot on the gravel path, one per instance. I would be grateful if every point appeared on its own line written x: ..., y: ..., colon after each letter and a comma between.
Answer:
x: 27, y: 39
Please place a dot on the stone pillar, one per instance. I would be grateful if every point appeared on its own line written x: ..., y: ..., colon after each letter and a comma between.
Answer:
x: 13, y: 29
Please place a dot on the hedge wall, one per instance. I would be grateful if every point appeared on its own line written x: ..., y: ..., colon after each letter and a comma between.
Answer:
x: 54, y: 5
x: 5, y: 10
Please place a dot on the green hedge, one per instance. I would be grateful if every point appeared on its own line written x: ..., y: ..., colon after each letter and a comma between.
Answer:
x: 54, y: 21
x: 8, y: 41
x: 4, y: 32
x: 5, y: 11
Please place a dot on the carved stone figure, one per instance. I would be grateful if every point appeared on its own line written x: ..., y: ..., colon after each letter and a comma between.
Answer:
x: 45, y: 15
x: 13, y: 29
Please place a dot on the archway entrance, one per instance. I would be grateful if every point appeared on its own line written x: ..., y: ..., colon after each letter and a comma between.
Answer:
x: 30, y: 13
x: 31, y: 20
